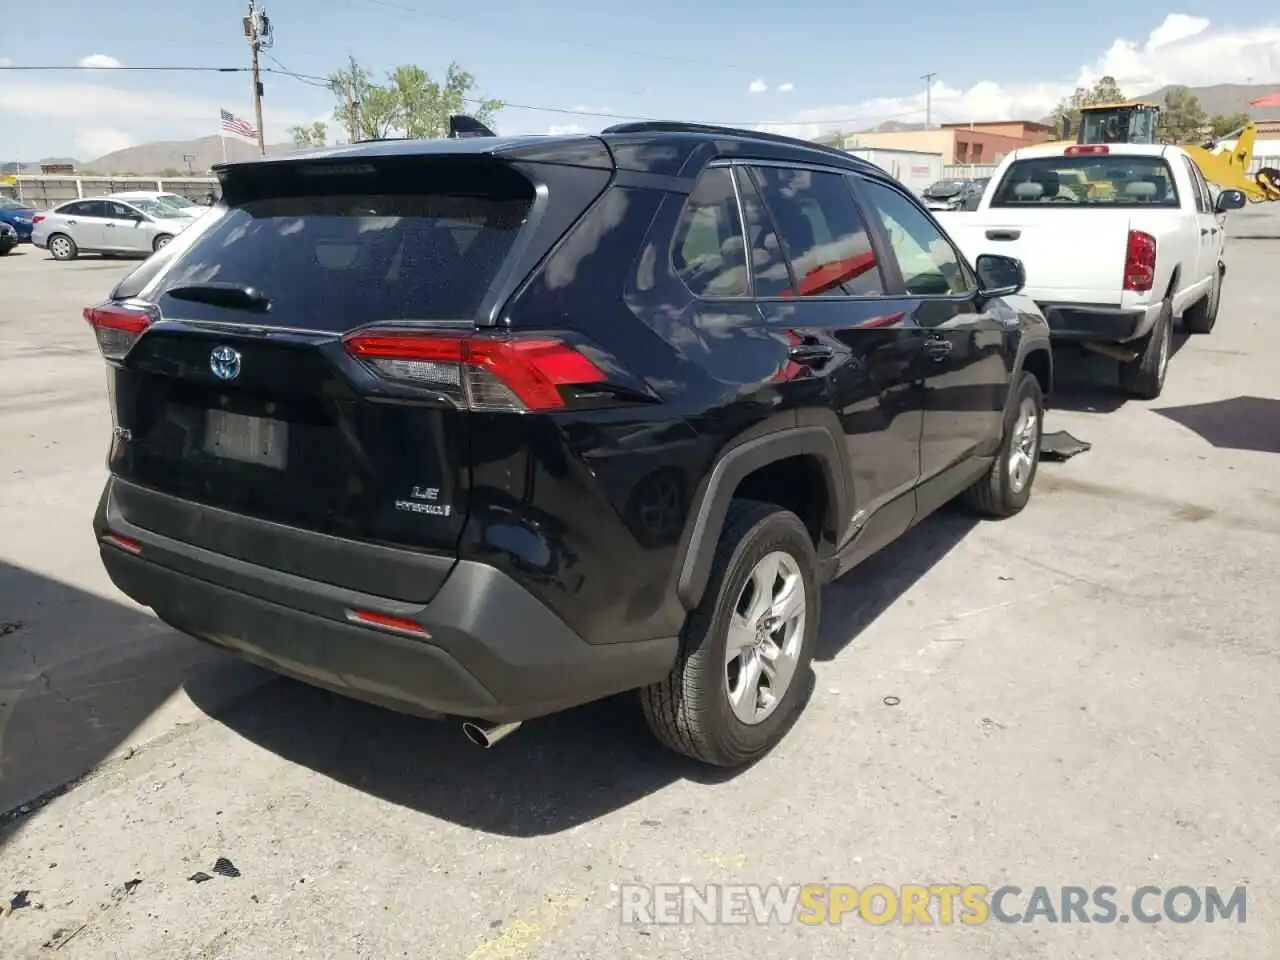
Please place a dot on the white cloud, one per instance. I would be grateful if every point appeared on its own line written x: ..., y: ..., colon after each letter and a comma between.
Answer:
x: 588, y: 109
x: 566, y: 129
x: 1180, y: 49
x: 757, y: 86
x: 96, y: 142
x: 100, y: 60
x: 786, y: 87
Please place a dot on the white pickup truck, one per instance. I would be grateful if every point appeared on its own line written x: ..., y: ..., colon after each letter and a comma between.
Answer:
x: 1117, y: 240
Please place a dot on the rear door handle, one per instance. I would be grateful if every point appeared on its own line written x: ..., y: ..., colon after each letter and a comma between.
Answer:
x: 937, y: 348
x: 809, y: 353
x: 1003, y: 234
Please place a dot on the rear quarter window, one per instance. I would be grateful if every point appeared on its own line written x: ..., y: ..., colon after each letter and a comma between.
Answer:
x: 1087, y: 181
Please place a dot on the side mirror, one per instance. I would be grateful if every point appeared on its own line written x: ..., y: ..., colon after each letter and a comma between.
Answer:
x: 1230, y: 200
x: 999, y: 276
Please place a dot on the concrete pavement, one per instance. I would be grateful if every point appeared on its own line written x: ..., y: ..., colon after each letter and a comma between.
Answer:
x: 1083, y: 695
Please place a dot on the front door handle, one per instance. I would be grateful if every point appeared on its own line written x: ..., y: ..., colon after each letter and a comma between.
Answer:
x: 810, y: 353
x: 937, y: 348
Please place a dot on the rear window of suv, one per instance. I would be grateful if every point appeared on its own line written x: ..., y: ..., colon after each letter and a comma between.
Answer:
x: 1087, y: 181
x: 421, y: 241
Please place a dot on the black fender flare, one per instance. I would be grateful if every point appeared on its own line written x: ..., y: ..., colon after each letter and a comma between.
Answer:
x: 731, y: 468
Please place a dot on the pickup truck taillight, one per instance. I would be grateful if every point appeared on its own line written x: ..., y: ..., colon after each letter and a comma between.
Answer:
x: 1140, y: 262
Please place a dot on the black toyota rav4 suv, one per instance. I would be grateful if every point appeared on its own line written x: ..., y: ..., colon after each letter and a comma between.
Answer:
x: 490, y: 427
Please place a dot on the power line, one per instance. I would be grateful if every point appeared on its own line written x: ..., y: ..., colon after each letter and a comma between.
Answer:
x: 312, y: 80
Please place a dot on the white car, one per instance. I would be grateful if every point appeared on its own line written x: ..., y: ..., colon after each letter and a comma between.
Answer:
x: 181, y: 205
x: 1117, y: 241
x: 102, y: 225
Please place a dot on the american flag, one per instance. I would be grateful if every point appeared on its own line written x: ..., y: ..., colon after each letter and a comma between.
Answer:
x: 240, y: 128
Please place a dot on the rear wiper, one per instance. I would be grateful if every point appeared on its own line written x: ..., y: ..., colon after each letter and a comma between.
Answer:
x: 216, y: 294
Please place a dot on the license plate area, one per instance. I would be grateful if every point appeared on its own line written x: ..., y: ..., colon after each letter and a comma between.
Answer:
x: 256, y: 440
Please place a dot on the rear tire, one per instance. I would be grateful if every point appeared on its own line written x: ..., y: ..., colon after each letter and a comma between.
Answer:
x: 1144, y: 378
x: 62, y: 247
x: 1201, y: 316
x: 720, y: 705
x: 1006, y: 488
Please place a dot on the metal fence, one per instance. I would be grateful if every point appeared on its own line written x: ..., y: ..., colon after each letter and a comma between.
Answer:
x: 42, y: 192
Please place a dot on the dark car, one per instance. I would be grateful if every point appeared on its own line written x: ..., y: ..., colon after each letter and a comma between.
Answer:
x: 18, y: 215
x: 486, y: 428
x: 8, y: 238
x: 973, y: 193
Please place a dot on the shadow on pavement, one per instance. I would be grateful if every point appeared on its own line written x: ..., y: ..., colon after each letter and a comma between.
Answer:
x: 553, y: 773
x: 1085, y: 382
x: 1241, y: 423
x: 78, y: 674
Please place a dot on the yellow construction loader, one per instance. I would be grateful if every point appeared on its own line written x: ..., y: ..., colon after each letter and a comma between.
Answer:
x: 1137, y: 121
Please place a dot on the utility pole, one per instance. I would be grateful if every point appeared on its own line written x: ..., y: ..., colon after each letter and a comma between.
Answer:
x: 258, y: 31
x: 928, y: 99
x: 353, y: 100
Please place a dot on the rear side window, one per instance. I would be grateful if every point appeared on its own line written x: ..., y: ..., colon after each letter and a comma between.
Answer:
x: 822, y: 232
x: 710, y: 254
x: 422, y: 241
x: 1087, y: 180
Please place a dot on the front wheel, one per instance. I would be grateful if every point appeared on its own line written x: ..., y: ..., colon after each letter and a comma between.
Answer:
x: 160, y: 241
x: 1200, y: 317
x: 1006, y: 488
x: 742, y: 674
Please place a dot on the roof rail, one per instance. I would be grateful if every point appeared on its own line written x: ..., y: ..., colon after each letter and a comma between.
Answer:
x: 675, y: 126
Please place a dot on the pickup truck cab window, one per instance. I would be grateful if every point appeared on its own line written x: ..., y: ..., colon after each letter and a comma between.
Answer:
x: 929, y: 264
x: 1088, y: 180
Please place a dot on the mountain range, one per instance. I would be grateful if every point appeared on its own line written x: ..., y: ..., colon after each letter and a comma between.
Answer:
x: 168, y: 155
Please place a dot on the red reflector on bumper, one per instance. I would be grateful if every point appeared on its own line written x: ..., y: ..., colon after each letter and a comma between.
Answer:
x: 124, y: 543
x: 371, y: 618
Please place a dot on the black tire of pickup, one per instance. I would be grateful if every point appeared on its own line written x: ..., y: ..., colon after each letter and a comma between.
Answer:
x: 689, y: 712
x: 1200, y: 317
x: 1144, y: 377
x: 995, y: 495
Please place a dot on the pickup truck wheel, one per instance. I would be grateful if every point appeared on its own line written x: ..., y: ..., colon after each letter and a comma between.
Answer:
x: 743, y: 672
x: 1145, y: 376
x: 1201, y: 317
x: 1006, y: 488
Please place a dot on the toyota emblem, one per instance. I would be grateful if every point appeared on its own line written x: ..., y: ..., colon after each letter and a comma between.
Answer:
x: 225, y: 363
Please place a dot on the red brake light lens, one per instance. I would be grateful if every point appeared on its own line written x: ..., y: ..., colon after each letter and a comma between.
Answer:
x: 1087, y: 149
x: 517, y: 373
x: 117, y: 327
x: 1140, y: 262
x: 37, y: 218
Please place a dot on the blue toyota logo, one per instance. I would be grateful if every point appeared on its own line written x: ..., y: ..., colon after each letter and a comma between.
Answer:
x: 225, y: 363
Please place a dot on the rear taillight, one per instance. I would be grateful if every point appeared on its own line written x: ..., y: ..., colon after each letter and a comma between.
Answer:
x: 485, y: 373
x: 117, y: 327
x: 37, y: 218
x: 1140, y: 262
x: 1090, y: 149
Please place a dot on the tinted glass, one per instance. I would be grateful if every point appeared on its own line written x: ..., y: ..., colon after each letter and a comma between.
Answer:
x: 823, y: 234
x: 1087, y: 180
x: 769, y: 270
x: 92, y: 208
x: 7, y: 204
x: 709, y: 253
x: 419, y: 242
x: 118, y: 211
x: 928, y: 262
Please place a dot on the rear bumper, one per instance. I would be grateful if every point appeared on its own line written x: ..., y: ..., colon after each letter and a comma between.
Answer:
x: 1100, y: 323
x: 491, y: 650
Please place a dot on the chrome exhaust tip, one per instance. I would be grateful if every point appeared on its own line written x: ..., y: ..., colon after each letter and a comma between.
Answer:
x: 484, y: 734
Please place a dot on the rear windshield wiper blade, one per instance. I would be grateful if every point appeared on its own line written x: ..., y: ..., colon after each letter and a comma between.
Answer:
x: 236, y: 295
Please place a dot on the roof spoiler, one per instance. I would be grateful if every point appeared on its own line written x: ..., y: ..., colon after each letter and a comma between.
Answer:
x: 461, y: 126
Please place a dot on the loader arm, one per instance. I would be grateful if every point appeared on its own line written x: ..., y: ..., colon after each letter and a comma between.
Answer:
x: 1229, y: 169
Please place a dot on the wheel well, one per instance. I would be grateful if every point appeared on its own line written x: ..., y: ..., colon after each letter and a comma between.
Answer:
x: 1039, y: 363
x: 795, y: 483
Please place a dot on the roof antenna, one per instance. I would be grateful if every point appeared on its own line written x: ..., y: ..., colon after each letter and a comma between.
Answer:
x: 461, y: 126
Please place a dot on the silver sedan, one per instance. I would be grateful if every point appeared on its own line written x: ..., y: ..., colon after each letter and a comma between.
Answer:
x: 106, y: 226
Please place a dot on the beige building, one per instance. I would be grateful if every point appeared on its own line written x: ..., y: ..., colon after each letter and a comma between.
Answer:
x: 958, y: 142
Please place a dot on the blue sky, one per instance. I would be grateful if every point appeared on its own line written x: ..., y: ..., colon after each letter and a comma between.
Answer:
x: 849, y: 65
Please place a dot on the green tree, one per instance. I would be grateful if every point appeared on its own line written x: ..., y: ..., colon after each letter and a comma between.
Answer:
x: 1105, y: 90
x: 170, y: 172
x: 1223, y: 124
x: 409, y: 104
x: 1182, y: 118
x: 312, y: 135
